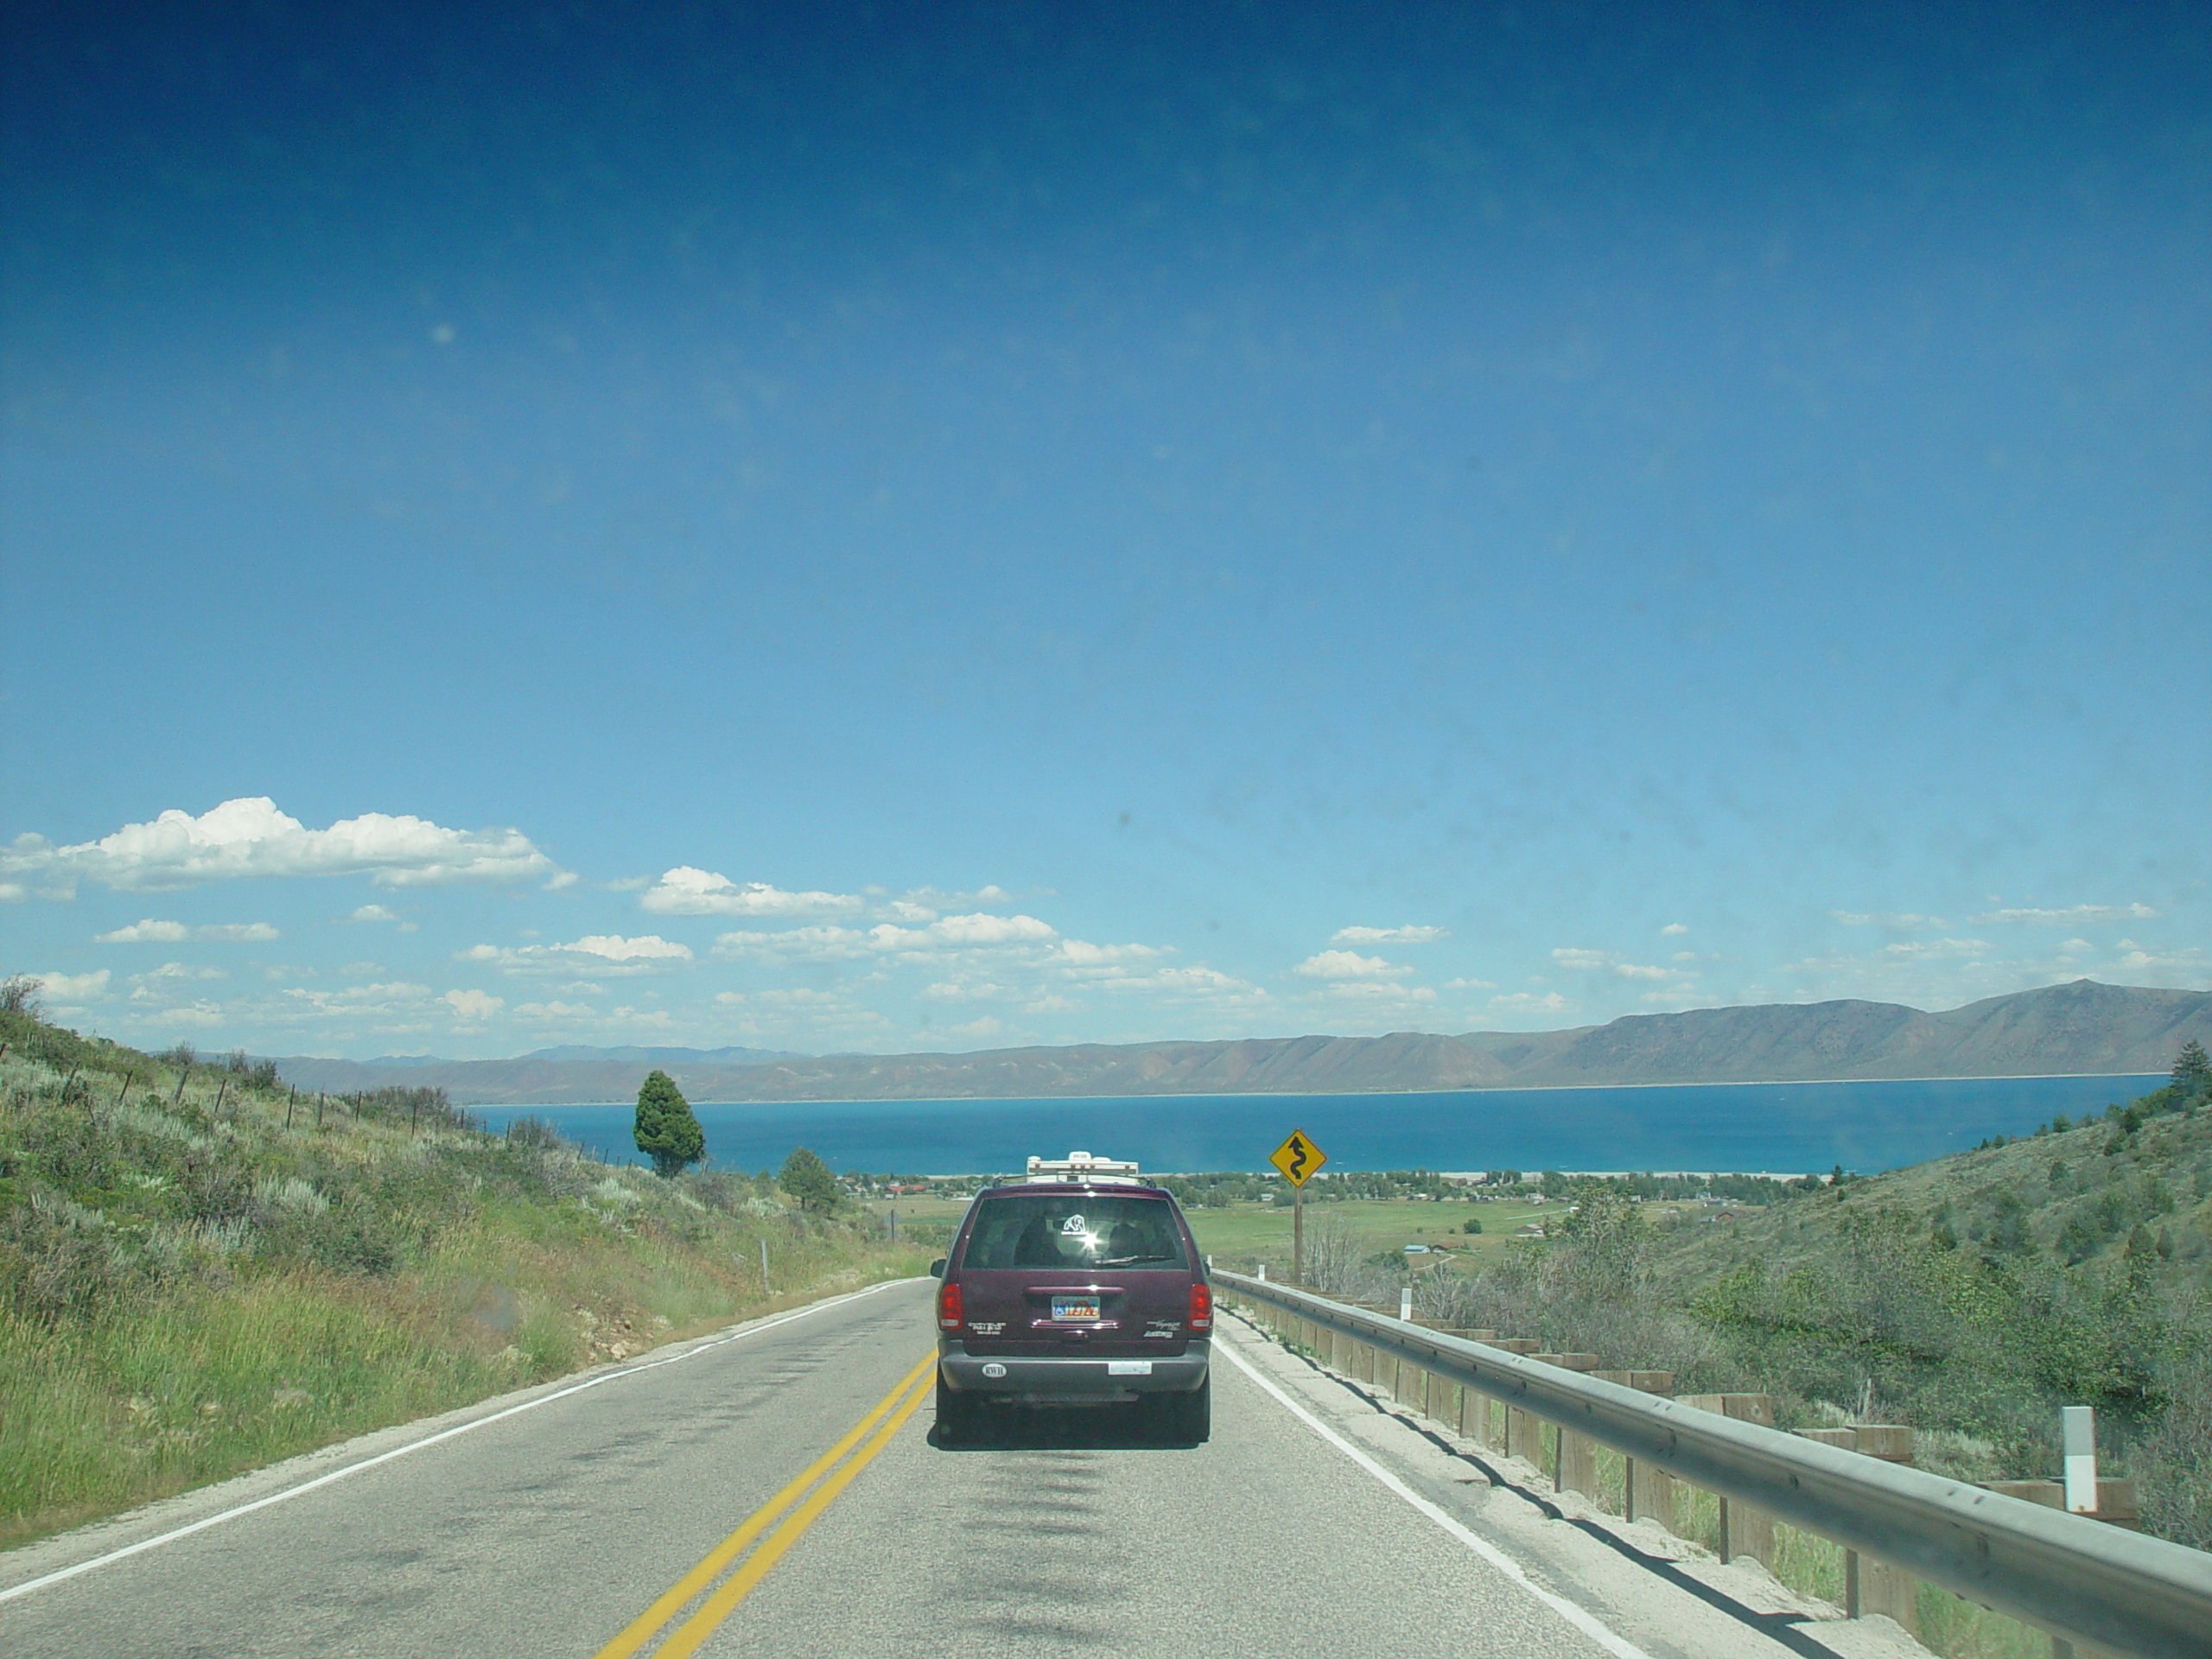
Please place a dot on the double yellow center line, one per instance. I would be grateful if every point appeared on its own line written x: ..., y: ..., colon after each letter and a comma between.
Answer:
x: 884, y: 1417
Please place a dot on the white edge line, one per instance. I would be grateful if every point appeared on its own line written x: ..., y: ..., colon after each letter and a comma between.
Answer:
x: 351, y: 1469
x: 1581, y: 1619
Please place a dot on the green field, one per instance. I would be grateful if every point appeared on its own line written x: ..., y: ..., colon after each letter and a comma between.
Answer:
x: 1238, y: 1235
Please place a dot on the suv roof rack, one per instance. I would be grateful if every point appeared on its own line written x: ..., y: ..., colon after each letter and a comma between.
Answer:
x: 1082, y: 1166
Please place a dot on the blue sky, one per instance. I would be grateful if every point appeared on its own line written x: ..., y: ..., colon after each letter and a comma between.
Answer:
x: 836, y: 528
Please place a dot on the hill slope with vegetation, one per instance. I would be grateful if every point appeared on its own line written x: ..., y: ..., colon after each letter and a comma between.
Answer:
x: 200, y: 1272
x: 1971, y: 1297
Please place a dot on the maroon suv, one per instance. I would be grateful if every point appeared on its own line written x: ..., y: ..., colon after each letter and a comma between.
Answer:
x: 1074, y: 1289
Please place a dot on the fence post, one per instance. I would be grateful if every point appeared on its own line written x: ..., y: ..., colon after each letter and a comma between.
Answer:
x: 1474, y: 1415
x: 1744, y: 1530
x: 1574, y: 1457
x: 1884, y: 1586
x: 1637, y: 1490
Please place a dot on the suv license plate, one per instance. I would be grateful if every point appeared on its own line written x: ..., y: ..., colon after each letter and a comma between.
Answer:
x: 1076, y: 1307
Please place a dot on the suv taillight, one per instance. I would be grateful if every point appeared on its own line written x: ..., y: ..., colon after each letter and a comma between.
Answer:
x: 1201, y: 1307
x: 948, y: 1307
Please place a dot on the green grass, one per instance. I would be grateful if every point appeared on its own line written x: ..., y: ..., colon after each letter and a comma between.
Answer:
x: 188, y: 1289
x: 1238, y: 1235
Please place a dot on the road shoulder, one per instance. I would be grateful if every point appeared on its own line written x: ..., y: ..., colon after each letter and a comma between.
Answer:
x: 1657, y: 1591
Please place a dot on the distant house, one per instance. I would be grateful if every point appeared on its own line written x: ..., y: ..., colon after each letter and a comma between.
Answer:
x: 1530, y: 1229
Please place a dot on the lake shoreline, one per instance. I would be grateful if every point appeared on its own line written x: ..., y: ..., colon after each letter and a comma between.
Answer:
x: 1323, y: 1094
x: 1796, y: 1127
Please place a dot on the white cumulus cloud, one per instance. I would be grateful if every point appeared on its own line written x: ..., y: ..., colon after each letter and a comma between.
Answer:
x: 1186, y: 982
x: 1919, y: 949
x: 146, y: 930
x: 685, y: 891
x: 614, y: 948
x: 1673, y: 929
x: 1598, y: 962
x: 12, y: 893
x: 2073, y: 916
x: 635, y: 956
x: 1896, y: 921
x: 1346, y: 964
x: 1374, y: 991
x: 66, y: 990
x: 978, y: 929
x: 370, y: 913
x: 1407, y: 935
x: 829, y: 943
x: 938, y: 898
x: 548, y: 1013
x: 1080, y: 954
x: 474, y: 1005
x: 250, y: 837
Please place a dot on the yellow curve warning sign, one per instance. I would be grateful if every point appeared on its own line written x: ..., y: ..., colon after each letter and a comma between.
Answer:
x: 1298, y: 1158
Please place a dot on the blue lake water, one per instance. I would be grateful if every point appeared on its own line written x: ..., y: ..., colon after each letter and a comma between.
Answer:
x: 1784, y: 1127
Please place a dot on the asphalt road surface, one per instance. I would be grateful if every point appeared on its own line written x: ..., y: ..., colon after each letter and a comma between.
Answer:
x: 547, y: 1523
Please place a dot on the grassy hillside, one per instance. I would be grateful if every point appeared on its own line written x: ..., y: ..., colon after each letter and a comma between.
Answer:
x: 191, y: 1285
x: 1971, y: 1297
x: 1979, y: 1293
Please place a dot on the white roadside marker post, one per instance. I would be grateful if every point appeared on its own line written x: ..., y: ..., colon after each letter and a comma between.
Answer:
x: 2081, y: 1445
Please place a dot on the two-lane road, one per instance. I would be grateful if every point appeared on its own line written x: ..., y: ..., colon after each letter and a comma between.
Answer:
x: 543, y: 1525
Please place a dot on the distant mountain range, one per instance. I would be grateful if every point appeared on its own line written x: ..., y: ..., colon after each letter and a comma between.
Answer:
x: 632, y: 1054
x: 2080, y: 1027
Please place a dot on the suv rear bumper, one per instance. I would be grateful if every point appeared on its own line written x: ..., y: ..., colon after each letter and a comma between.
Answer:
x: 1041, y: 1378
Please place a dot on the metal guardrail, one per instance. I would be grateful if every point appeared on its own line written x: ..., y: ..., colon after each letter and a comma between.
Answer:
x: 2075, y: 1577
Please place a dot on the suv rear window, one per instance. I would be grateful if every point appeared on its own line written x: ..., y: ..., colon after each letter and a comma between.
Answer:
x: 1081, y: 1229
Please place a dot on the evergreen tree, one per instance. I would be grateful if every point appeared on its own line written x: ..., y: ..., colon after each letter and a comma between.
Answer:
x: 808, y: 1180
x: 2192, y: 1071
x: 665, y: 1131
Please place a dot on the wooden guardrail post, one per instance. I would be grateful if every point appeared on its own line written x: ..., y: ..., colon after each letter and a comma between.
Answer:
x: 1518, y: 1437
x: 1744, y: 1530
x: 2116, y: 1504
x: 1845, y: 1439
x: 1471, y: 1416
x: 1880, y: 1586
x: 1574, y: 1457
x: 1645, y: 1491
x: 1474, y: 1417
